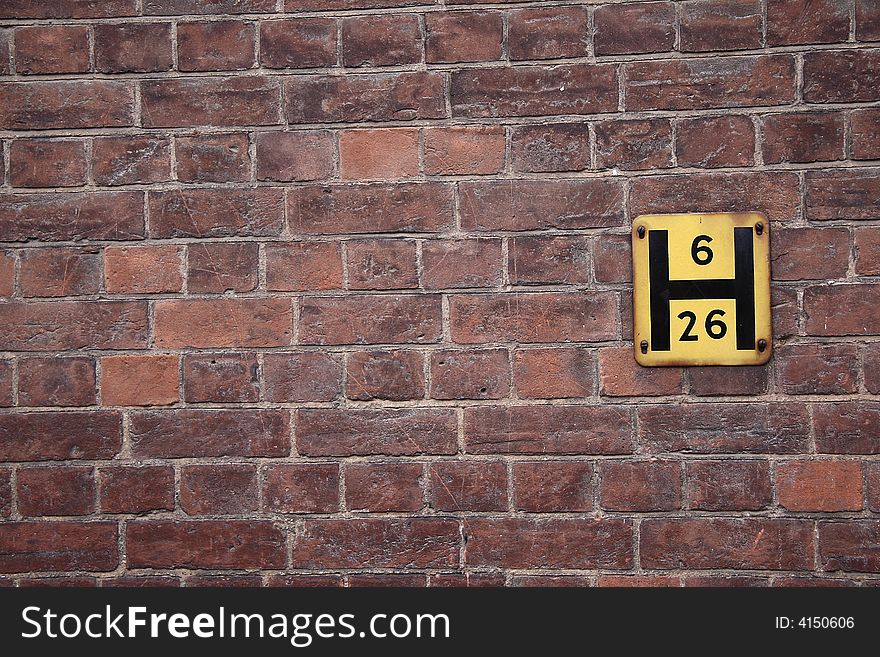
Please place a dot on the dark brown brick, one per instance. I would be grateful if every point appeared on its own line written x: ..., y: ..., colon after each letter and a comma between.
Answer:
x: 133, y: 48
x: 463, y: 150
x: 392, y: 375
x: 867, y: 251
x: 817, y: 369
x: 850, y: 427
x: 213, y: 158
x: 842, y: 76
x: 221, y: 323
x: 175, y: 7
x: 131, y: 160
x: 218, y: 489
x: 550, y: 148
x: 872, y: 368
x: 7, y: 273
x: 640, y: 486
x: 215, y: 268
x: 807, y: 21
x: 788, y: 246
x: 295, y: 156
x: 216, y: 212
x: 634, y: 144
x: 58, y: 546
x: 467, y: 580
x: 554, y: 373
x: 210, y: 101
x: 386, y: 264
x: 867, y: 20
x: 548, y: 33
x: 66, y: 105
x: 469, y: 36
x: 68, y: 9
x: 548, y: 260
x: 463, y: 486
x: 552, y: 486
x: 842, y: 195
x: 622, y: 376
x: 47, y: 162
x: 847, y: 545
x: 866, y: 132
x: 136, y: 489
x: 842, y: 310
x: 873, y: 481
x: 221, y: 377
x: 803, y: 137
x: 634, y: 27
x: 612, y: 258
x: 461, y: 263
x: 383, y: 487
x: 379, y: 154
x: 5, y: 383
x: 59, y: 271
x: 303, y: 266
x: 298, y: 43
x: 56, y: 491
x: 49, y: 49
x: 722, y: 141
x: 301, y: 488
x: 60, y: 436
x: 215, y: 46
x: 721, y: 25
x: 302, y: 377
x: 56, y: 381
x: 370, y: 319
x: 727, y: 381
x: 381, y: 40
x: 728, y: 485
x: 472, y: 374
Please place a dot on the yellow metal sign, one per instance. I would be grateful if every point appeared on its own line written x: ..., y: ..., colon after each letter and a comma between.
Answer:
x: 701, y: 289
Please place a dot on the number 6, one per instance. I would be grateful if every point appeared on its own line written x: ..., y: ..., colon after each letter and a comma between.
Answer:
x: 702, y: 255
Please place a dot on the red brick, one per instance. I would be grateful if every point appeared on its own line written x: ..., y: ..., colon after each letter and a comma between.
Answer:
x: 817, y: 369
x: 774, y: 193
x: 131, y: 160
x: 173, y: 7
x: 213, y: 158
x: 809, y: 582
x: 467, y: 580
x: 634, y: 144
x: 777, y: 428
x: 471, y: 374
x: 851, y: 427
x: 463, y: 150
x: 463, y: 36
x: 550, y: 148
x: 638, y: 581
x: 461, y: 263
x: 521, y: 317
x: 48, y: 49
x: 216, y: 213
x: 66, y: 105
x: 866, y: 133
x: 872, y: 368
x: 867, y: 20
x: 548, y: 260
x: 552, y: 486
x: 133, y: 48
x: 379, y: 542
x: 306, y: 581
x: 7, y: 272
x: 848, y: 545
x: 714, y: 82
x: 301, y: 488
x: 218, y: 489
x: 298, y: 43
x: 741, y: 543
x: 351, y: 98
x: 50, y: 545
x: 295, y: 156
x: 139, y: 380
x: 718, y: 141
x: 218, y: 323
x: 521, y: 91
x: 554, y: 373
x: 57, y: 582
x: 807, y: 21
x: 5, y: 492
x: 842, y: 195
x: 325, y: 5
x: 548, y: 33
x: 47, y: 162
x: 140, y: 582
x: 727, y: 381
x: 60, y: 271
x: 216, y: 268
x: 393, y: 375
x: 803, y: 137
x: 640, y: 486
x: 842, y: 310
x: 215, y: 46
x: 142, y: 269
x: 210, y: 101
x: 637, y: 27
x: 612, y: 258
x: 136, y: 489
x: 721, y: 25
x: 547, y: 429
x: 541, y: 204
x: 400, y: 580
x: 46, y: 217
x: 380, y: 264
x: 56, y: 491
x: 819, y: 485
x: 60, y: 436
x: 370, y: 319
x: 5, y: 383
x: 728, y: 485
x: 381, y: 40
x: 376, y: 208
x: 56, y: 381
x: 463, y: 486
x: 222, y: 377
x: 379, y: 154
x: 303, y: 266
x: 738, y: 581
x: 571, y: 543
x: 841, y: 76
x: 545, y: 581
x: 302, y: 377
x: 788, y: 246
x: 190, y: 433
x: 383, y: 487
x: 873, y: 480
x: 367, y: 432
x: 68, y: 9
x: 621, y: 376
x: 232, y: 544
x: 5, y: 43
x: 61, y: 325
x: 224, y: 581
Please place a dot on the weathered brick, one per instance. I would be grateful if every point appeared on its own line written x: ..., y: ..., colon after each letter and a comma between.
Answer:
x: 571, y: 543
x: 381, y: 40
x: 133, y: 47
x: 777, y: 428
x: 638, y: 581
x: 727, y: 381
x: 463, y: 150
x: 389, y: 432
x: 636, y: 27
x: 148, y: 380
x: 370, y: 319
x: 306, y: 581
x: 383, y: 487
x: 227, y: 544
x: 60, y: 271
x: 142, y: 269
x: 5, y: 47
x: 461, y: 263
x: 803, y: 137
x: 210, y: 101
x: 867, y: 251
x: 714, y: 82
x: 867, y: 20
x: 60, y: 436
x: 136, y: 489
x: 301, y: 488
x: 728, y: 485
x: 221, y: 377
x: 47, y: 163
x: 550, y: 148
x: 295, y: 156
x: 393, y: 375
x: 866, y: 133
x: 634, y: 144
x: 298, y: 43
x: 788, y: 246
x: 56, y: 491
x: 841, y: 310
x: 463, y: 36
x: 303, y: 266
x: 7, y: 273
x: 545, y: 581
x: 552, y: 486
x: 471, y: 374
x: 462, y: 486
x: 66, y: 105
x: 56, y: 381
x: 554, y: 373
x: 817, y: 369
x: 302, y: 377
x: 741, y: 543
x: 215, y: 46
x: 850, y: 427
x: 131, y: 160
x: 218, y: 323
x: 68, y: 9
x: 872, y: 368
x: 718, y: 141
x: 221, y: 489
x: 379, y: 154
x: 612, y: 258
x: 545, y: 429
x: 5, y: 383
x: 215, y: 268
x: 173, y: 7
x: 216, y: 212
x: 819, y: 485
x: 621, y: 376
x: 522, y: 317
x: 548, y: 260
x: 189, y: 433
x: 548, y: 33
x: 213, y: 158
x: 467, y: 580
x: 522, y: 91
x: 49, y: 49
x: 873, y: 481
x: 848, y: 546
x: 640, y: 486
x: 721, y: 25
x: 807, y: 21
x: 842, y: 195
x: 841, y: 76
x: 58, y: 546
x: 224, y: 581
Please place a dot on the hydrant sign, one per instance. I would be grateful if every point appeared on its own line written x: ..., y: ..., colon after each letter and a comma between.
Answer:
x: 701, y: 289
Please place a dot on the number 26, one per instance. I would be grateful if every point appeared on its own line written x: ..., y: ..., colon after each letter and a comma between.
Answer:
x: 715, y: 328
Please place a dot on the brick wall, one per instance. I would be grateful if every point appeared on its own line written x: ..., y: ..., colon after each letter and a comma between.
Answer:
x: 338, y: 292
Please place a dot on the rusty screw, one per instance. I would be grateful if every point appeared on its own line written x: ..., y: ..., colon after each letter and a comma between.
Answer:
x: 759, y: 228
x: 644, y: 346
x: 762, y: 345
x: 641, y: 232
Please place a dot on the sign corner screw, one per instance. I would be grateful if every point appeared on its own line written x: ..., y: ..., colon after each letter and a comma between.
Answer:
x: 759, y: 228
x: 762, y: 345
x: 644, y: 346
x: 641, y: 232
